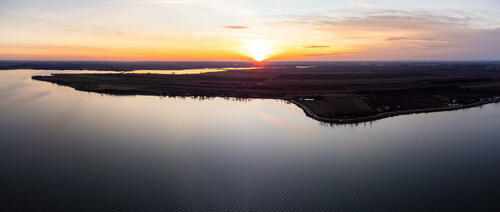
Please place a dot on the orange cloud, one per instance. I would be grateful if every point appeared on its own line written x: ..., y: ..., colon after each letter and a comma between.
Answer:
x: 316, y: 47
x: 236, y: 27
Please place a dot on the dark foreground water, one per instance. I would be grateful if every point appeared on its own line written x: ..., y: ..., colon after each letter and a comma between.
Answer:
x: 65, y: 150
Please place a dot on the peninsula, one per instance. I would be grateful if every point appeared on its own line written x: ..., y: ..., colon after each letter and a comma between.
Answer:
x: 329, y: 92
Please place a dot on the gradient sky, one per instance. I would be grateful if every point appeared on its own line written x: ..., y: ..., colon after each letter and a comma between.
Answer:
x: 243, y: 29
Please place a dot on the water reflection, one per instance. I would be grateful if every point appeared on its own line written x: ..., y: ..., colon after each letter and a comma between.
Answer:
x: 181, y: 71
x: 66, y: 150
x: 191, y: 71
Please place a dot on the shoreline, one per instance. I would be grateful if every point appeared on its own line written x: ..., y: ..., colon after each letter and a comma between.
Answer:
x: 346, y: 97
x: 384, y: 115
x: 309, y: 113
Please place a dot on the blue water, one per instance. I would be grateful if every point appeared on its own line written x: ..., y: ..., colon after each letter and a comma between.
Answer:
x: 66, y: 150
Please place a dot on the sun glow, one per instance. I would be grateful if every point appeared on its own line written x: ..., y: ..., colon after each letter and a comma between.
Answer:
x: 259, y: 50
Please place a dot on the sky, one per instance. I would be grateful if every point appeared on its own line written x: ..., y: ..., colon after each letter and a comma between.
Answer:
x: 318, y: 30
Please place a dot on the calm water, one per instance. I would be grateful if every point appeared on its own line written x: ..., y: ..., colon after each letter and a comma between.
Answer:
x: 65, y: 150
x: 190, y: 71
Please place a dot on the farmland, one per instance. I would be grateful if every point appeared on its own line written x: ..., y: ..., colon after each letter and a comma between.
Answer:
x: 330, y: 92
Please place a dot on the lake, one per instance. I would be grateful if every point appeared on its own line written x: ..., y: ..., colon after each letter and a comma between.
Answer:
x: 66, y: 150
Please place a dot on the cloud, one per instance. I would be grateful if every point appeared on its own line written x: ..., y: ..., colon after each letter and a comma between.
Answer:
x: 419, y: 41
x: 402, y: 19
x: 316, y: 47
x: 236, y: 27
x: 363, y: 3
x: 402, y: 34
x: 323, y: 54
x: 409, y: 39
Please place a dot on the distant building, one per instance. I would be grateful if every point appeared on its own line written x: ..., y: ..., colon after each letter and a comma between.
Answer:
x: 307, y: 99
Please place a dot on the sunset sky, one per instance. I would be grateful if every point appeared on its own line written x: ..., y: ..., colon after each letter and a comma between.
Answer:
x: 250, y: 29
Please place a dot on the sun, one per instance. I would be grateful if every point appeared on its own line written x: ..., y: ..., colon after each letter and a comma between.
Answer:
x: 259, y: 50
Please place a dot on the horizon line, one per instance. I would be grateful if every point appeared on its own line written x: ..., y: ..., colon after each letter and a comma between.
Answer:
x: 249, y: 61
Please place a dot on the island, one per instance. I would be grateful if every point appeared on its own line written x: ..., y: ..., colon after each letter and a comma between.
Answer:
x: 329, y: 92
